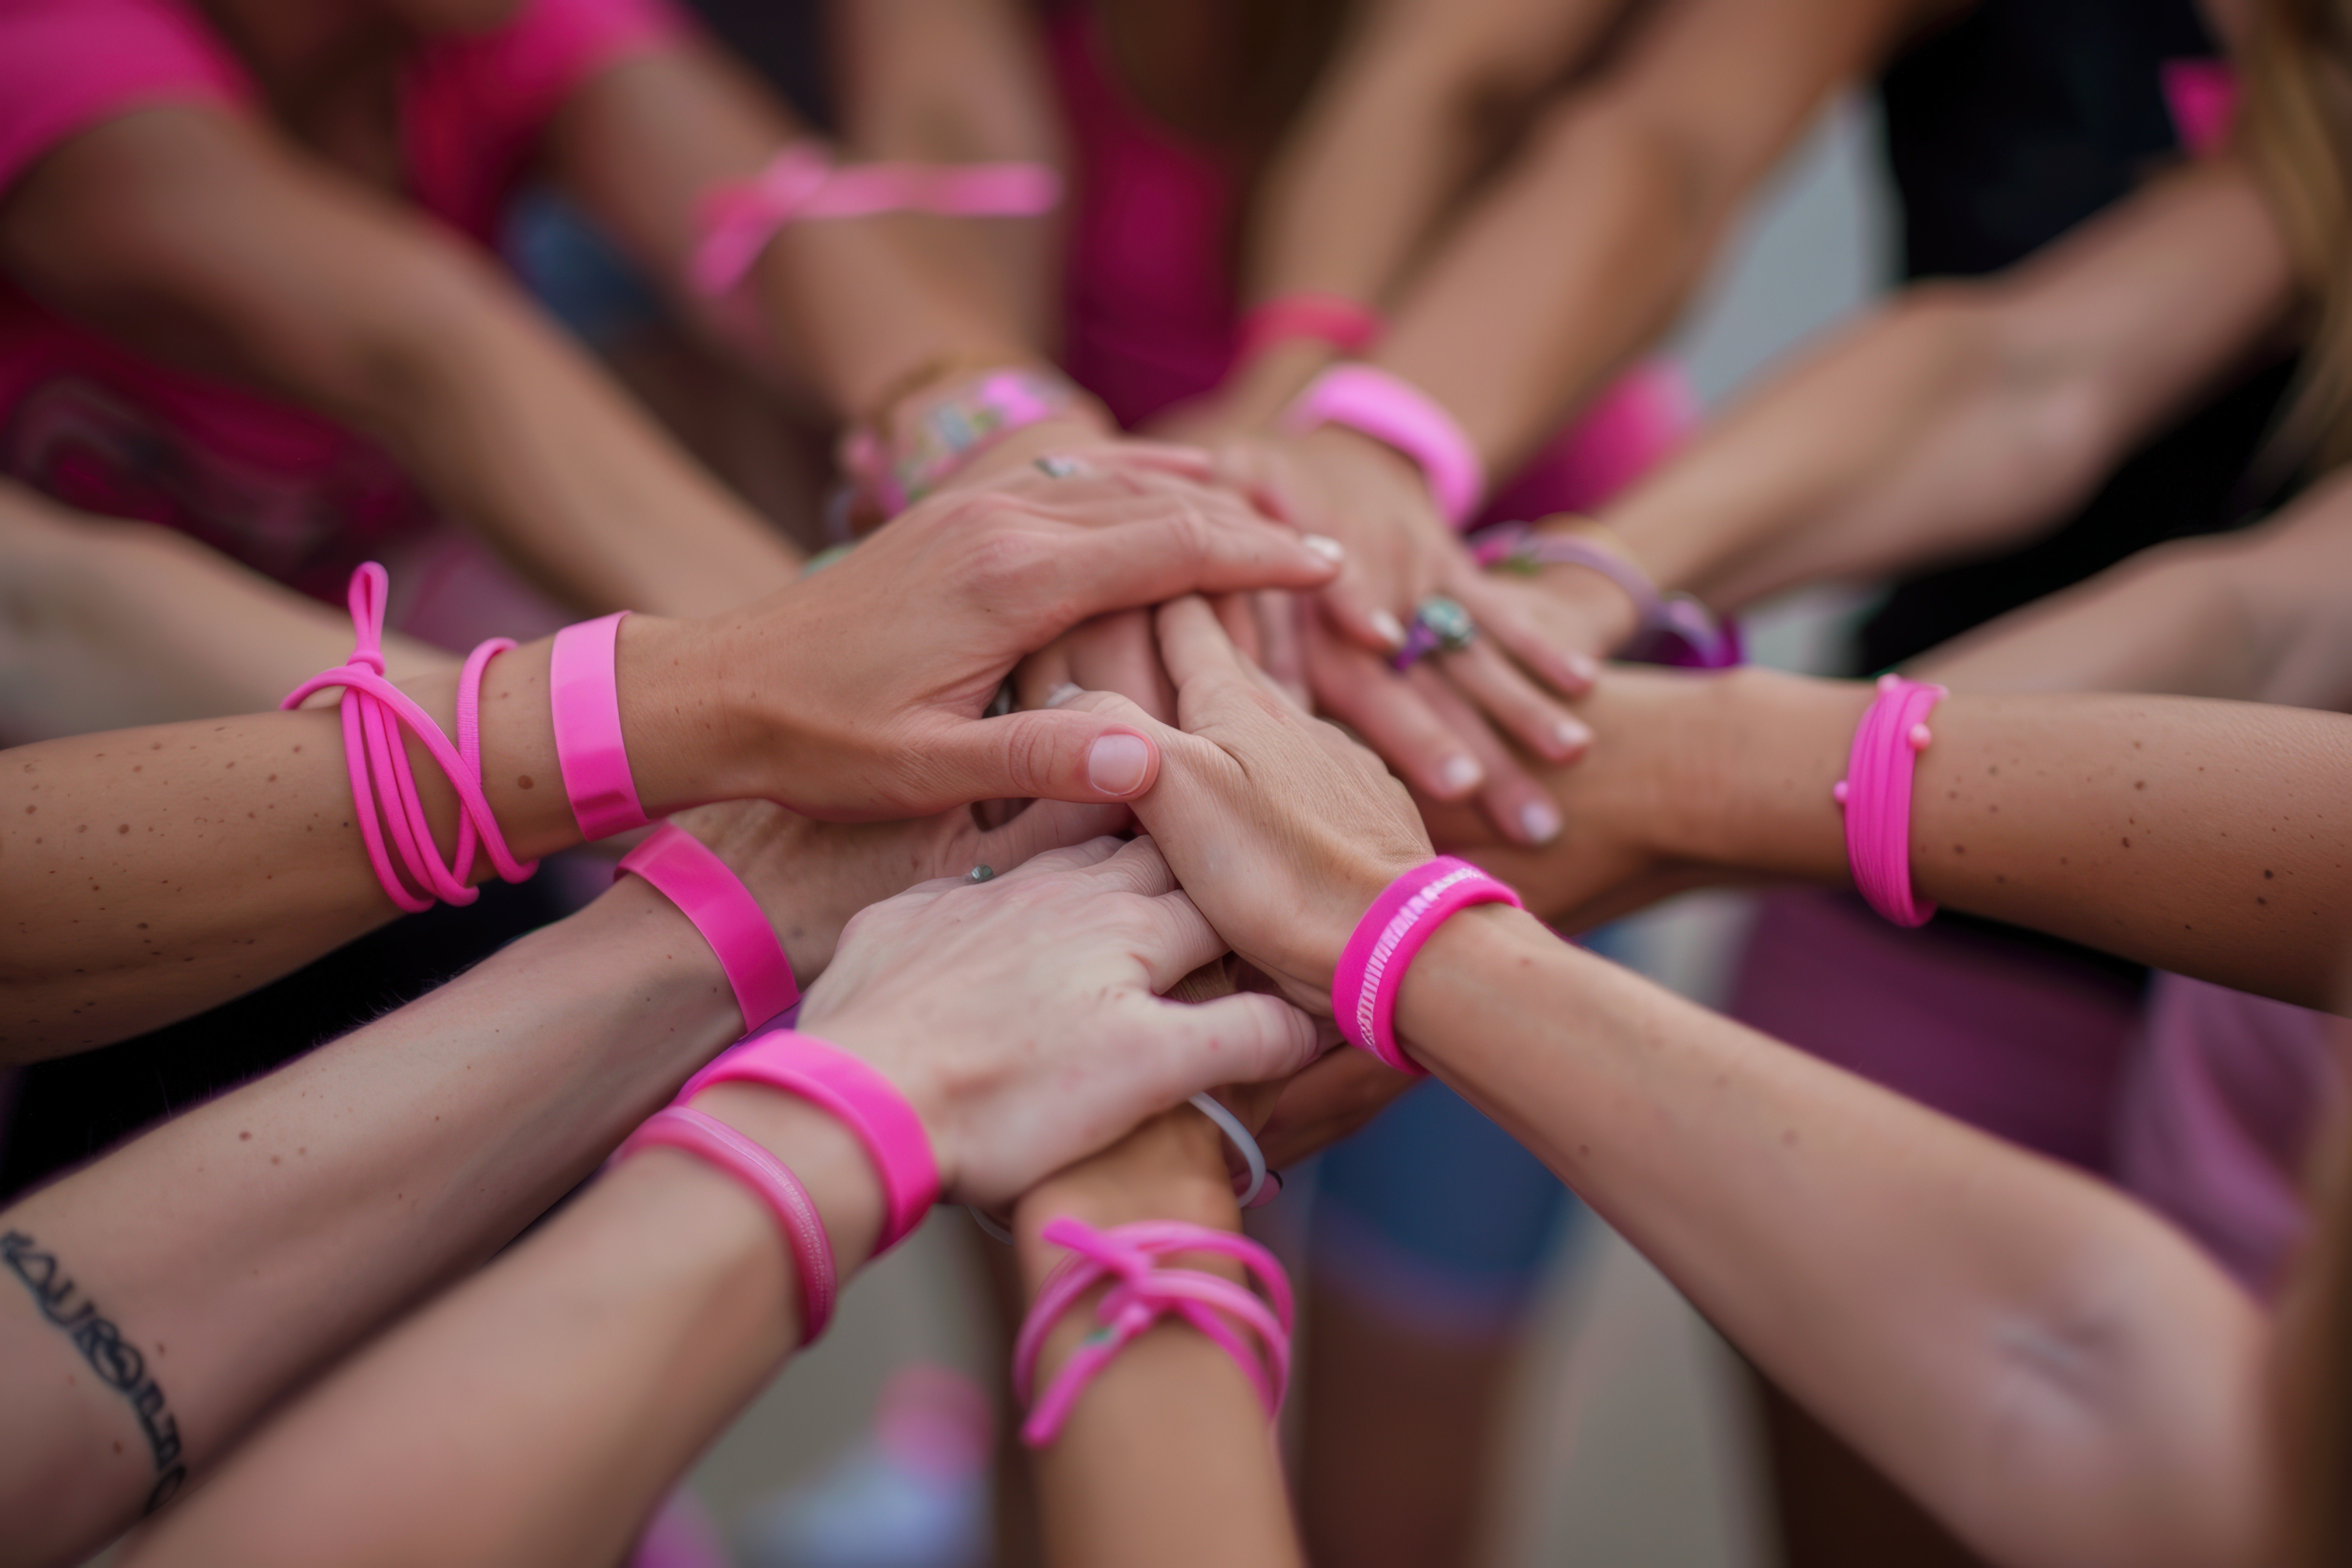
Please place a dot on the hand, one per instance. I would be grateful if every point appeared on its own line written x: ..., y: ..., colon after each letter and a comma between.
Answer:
x: 857, y: 693
x: 1435, y: 724
x: 811, y: 877
x: 1022, y: 1017
x: 1281, y: 828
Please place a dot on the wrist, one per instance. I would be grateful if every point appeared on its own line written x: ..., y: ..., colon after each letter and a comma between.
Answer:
x: 1751, y: 786
x: 694, y: 726
x: 1085, y: 424
x: 1473, y: 943
x: 1261, y: 387
x: 821, y: 1152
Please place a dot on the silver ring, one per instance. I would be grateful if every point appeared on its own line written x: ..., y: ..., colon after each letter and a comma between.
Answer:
x: 1448, y: 622
x: 980, y: 874
x: 1055, y: 467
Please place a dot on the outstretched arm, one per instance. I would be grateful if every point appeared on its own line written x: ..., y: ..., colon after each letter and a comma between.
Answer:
x: 1961, y: 416
x: 105, y: 624
x: 535, y: 1413
x: 149, y: 873
x: 208, y: 240
x: 2059, y: 1375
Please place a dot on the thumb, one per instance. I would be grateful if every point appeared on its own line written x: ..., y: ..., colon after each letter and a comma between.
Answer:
x: 1053, y: 753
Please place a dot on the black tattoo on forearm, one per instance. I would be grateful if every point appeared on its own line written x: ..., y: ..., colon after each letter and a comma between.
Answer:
x: 117, y: 1362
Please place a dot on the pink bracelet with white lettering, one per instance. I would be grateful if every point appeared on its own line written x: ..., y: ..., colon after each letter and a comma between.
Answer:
x: 859, y: 1096
x: 1396, y: 412
x: 1142, y: 1294
x: 583, y: 693
x: 1385, y: 941
x: 767, y: 1178
x: 1876, y: 796
x: 722, y: 909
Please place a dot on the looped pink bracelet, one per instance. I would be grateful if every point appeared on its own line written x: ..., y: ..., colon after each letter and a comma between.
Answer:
x: 768, y: 1179
x: 373, y: 711
x: 1146, y: 1292
x: 1876, y: 796
x: 584, y: 695
x: 1390, y: 410
x: 1386, y: 940
x: 859, y: 1098
x: 1674, y: 630
x: 709, y: 893
x: 802, y: 183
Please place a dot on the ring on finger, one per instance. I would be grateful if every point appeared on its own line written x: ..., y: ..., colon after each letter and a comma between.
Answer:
x: 1439, y: 624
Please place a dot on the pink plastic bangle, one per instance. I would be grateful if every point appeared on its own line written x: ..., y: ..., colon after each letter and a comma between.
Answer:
x: 1144, y: 1292
x: 865, y: 1102
x: 584, y: 693
x: 1334, y: 319
x: 771, y: 1181
x: 1385, y: 941
x: 1876, y: 796
x: 722, y: 909
x: 1399, y: 412
x: 801, y: 183
x: 373, y: 711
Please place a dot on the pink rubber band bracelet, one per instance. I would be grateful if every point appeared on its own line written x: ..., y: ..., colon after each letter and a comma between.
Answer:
x: 1876, y: 796
x: 682, y: 868
x: 1400, y: 413
x: 771, y: 1181
x: 1386, y: 940
x: 861, y: 1098
x: 582, y: 690
x: 1333, y: 319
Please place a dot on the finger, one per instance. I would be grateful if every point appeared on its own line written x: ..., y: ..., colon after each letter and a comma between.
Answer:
x: 1510, y: 798
x: 1491, y: 681
x: 1186, y: 549
x: 1533, y: 630
x: 1047, y: 824
x: 1201, y: 658
x: 1050, y: 753
x: 1246, y: 1037
x: 1065, y: 858
x: 1237, y: 614
x: 1358, y: 611
x: 1140, y: 869
x: 1178, y: 457
x: 1280, y: 656
x: 1182, y: 940
x: 1042, y: 673
x: 1331, y: 1098
x: 1393, y: 719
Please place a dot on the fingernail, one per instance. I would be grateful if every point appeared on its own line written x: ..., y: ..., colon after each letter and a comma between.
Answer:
x: 1570, y: 735
x: 1063, y: 693
x: 1391, y: 632
x: 1325, y: 546
x: 1115, y: 763
x: 1460, y: 773
x: 1539, y: 821
x: 1583, y: 666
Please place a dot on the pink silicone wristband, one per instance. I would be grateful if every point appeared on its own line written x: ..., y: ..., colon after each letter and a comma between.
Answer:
x: 586, y: 699
x: 1876, y: 796
x: 771, y: 1181
x: 861, y: 1098
x: 1399, y: 412
x: 1385, y: 941
x: 722, y: 909
x: 1334, y: 319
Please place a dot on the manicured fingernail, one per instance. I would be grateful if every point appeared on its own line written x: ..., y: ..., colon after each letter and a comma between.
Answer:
x: 1583, y: 666
x: 1325, y: 546
x: 1063, y: 693
x: 1461, y: 772
x: 1115, y: 763
x: 1539, y: 821
x: 1390, y: 630
x: 1569, y: 736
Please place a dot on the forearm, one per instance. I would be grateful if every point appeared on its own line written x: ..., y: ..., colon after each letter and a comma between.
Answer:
x: 149, y: 873
x: 245, y: 1243
x: 106, y: 625
x: 536, y: 1414
x: 2056, y: 1374
x: 2255, y: 616
x: 1168, y: 1457
x: 1966, y: 416
x: 2090, y: 817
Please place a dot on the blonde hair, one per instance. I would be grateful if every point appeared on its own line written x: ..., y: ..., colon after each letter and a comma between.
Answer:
x: 2296, y: 126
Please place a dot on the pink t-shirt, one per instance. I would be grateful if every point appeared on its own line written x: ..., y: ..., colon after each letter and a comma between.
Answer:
x: 288, y: 492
